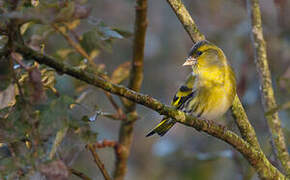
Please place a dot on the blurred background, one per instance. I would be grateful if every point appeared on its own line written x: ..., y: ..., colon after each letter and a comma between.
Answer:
x: 183, y: 153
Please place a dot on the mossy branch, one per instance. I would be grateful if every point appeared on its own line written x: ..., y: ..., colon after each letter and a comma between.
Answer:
x: 267, y: 91
x: 253, y: 155
x: 135, y: 82
x: 186, y: 20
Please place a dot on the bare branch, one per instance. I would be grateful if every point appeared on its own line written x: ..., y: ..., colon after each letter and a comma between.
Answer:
x: 186, y: 20
x: 79, y: 174
x: 268, y: 98
x: 136, y: 78
x: 98, y: 162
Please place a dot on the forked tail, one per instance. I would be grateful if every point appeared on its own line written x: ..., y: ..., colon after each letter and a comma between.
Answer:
x: 162, y: 127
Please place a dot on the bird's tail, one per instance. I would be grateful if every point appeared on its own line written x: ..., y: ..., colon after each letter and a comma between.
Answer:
x: 162, y: 127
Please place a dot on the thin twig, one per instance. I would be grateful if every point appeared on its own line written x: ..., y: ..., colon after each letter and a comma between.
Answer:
x: 106, y: 143
x: 79, y: 174
x: 121, y: 115
x: 267, y: 91
x: 120, y: 112
x: 98, y: 161
x: 111, y: 116
x: 75, y: 45
x: 278, y: 108
x: 113, y: 144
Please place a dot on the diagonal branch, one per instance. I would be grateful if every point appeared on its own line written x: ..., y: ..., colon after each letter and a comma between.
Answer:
x: 186, y: 20
x: 253, y: 155
x: 98, y: 161
x: 268, y: 98
x: 79, y: 174
x: 75, y: 45
x: 245, y: 127
x: 136, y: 78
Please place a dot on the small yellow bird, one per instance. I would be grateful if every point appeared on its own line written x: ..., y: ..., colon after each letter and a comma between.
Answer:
x: 209, y: 90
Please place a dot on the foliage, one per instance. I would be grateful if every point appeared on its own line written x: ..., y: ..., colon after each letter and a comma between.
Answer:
x: 41, y: 102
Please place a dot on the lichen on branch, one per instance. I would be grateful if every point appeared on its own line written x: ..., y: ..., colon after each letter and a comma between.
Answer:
x: 267, y: 91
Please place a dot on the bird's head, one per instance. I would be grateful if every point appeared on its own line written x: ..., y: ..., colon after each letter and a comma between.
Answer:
x: 205, y: 54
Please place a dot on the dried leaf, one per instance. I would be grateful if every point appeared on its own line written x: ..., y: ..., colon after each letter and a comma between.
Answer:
x: 35, y: 3
x: 38, y: 94
x: 73, y: 24
x: 35, y: 42
x: 25, y: 27
x: 57, y: 141
x: 63, y: 53
x: 82, y: 12
x: 16, y: 56
x: 48, y: 79
x: 7, y: 97
x: 66, y: 12
x: 121, y: 73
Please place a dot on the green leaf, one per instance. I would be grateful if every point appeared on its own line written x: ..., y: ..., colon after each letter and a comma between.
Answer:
x: 100, y: 37
x: 90, y: 41
x: 66, y: 12
x: 55, y: 114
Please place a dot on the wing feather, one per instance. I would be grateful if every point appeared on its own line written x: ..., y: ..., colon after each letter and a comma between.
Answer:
x: 184, y: 93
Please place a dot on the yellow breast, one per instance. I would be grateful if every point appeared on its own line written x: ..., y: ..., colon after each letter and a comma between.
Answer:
x: 215, y: 92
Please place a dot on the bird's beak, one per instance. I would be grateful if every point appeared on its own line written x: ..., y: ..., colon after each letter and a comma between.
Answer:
x: 189, y: 61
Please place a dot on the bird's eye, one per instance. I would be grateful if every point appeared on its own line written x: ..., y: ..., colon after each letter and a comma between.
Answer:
x: 199, y: 53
